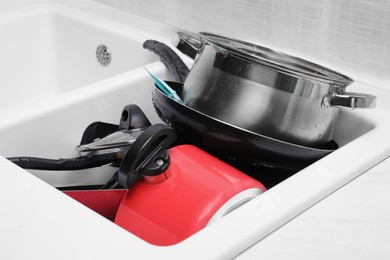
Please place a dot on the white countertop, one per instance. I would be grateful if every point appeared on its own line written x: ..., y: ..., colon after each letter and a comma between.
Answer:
x: 351, y: 223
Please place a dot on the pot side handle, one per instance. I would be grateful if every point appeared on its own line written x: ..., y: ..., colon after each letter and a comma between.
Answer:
x: 349, y: 99
x: 187, y: 43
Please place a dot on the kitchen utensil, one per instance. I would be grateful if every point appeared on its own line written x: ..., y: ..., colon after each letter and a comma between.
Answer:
x: 174, y: 63
x: 148, y: 155
x: 182, y: 189
x: 100, y: 144
x: 221, y: 138
x: 165, y: 203
x: 265, y: 92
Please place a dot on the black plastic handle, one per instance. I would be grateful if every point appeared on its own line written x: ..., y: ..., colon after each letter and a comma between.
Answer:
x: 146, y: 155
x: 133, y: 117
x: 63, y: 164
x: 173, y: 61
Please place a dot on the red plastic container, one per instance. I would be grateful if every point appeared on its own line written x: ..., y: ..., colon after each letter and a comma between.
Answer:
x: 196, y: 189
x: 104, y: 202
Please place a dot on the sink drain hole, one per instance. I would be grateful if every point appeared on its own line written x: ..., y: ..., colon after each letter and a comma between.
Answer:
x: 103, y: 55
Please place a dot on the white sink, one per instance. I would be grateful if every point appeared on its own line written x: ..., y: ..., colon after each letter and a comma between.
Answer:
x: 67, y: 90
x: 55, y: 85
x: 47, y: 52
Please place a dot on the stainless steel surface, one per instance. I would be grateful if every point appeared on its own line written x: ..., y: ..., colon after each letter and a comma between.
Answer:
x: 227, y: 141
x: 352, y: 100
x: 118, y: 142
x: 267, y: 92
x: 188, y: 43
x: 103, y: 55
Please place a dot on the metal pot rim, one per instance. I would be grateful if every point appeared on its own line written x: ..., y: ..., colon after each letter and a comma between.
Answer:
x: 285, y: 63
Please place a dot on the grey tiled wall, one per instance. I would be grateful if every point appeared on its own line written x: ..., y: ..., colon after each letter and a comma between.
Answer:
x: 345, y: 34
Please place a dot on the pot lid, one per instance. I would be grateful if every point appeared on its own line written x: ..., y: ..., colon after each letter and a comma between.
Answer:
x: 278, y: 60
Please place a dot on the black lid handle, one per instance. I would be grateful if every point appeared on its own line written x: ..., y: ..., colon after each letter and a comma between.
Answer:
x: 147, y: 156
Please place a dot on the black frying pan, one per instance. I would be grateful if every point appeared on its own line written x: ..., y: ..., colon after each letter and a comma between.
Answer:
x: 220, y: 138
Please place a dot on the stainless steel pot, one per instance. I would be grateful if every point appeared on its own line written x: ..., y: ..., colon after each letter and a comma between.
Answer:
x: 231, y: 143
x: 264, y: 91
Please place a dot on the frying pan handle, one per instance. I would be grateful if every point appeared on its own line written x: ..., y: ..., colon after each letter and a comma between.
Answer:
x: 188, y: 43
x: 350, y: 100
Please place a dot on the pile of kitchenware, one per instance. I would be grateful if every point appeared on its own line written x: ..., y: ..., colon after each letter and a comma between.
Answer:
x: 161, y: 192
x: 253, y: 104
x: 240, y: 103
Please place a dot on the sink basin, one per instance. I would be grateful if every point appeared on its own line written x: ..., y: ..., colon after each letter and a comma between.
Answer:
x: 64, y: 89
x: 63, y: 86
x: 48, y: 52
